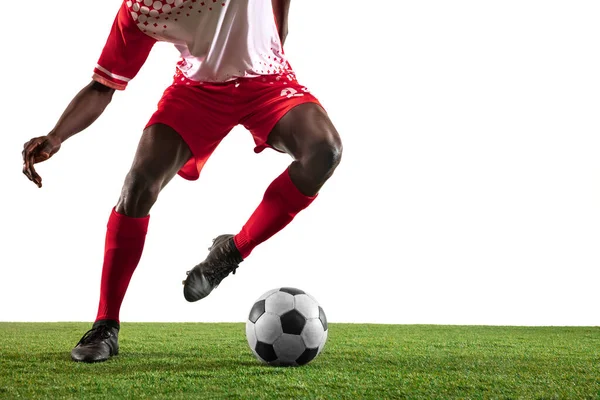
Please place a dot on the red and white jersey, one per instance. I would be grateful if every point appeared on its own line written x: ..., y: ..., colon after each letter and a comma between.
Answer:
x: 219, y: 40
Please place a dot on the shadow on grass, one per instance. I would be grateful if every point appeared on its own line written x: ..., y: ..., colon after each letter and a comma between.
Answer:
x: 132, y: 363
x: 55, y: 356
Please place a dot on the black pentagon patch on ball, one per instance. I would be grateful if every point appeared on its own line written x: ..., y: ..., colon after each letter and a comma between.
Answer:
x: 308, y: 355
x: 266, y: 351
x: 323, y: 318
x: 291, y: 290
x: 293, y: 322
x: 258, y: 309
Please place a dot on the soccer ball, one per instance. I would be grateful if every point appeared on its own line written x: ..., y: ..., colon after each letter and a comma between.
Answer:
x: 286, y: 327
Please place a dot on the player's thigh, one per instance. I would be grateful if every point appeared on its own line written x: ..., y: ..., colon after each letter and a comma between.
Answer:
x: 160, y: 154
x: 302, y: 129
x: 283, y: 114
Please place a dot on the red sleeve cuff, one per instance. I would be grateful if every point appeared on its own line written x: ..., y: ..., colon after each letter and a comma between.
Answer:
x: 109, y: 79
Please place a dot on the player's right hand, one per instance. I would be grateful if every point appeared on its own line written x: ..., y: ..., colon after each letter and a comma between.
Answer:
x: 35, y: 151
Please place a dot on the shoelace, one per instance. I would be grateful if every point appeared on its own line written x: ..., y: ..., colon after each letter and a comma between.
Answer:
x: 101, y: 332
x: 228, y: 264
x: 216, y: 275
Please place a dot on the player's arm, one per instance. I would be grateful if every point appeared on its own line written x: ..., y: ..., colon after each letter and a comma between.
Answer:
x: 84, y: 109
x: 281, y: 10
x: 126, y: 50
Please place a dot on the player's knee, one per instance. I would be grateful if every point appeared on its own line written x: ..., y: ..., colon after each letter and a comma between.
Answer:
x: 139, y: 194
x: 325, y: 157
x: 334, y: 153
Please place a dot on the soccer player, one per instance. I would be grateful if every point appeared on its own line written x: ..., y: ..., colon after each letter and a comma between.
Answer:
x: 232, y: 71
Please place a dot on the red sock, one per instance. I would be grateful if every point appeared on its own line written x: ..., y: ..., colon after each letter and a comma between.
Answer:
x: 280, y: 204
x: 125, y: 237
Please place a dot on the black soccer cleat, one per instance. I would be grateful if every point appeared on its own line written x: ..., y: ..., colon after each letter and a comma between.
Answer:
x: 98, y: 344
x: 223, y: 259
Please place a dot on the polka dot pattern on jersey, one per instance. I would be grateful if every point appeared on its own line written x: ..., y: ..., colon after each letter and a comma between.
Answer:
x: 152, y: 12
x: 191, y: 23
x: 287, y: 76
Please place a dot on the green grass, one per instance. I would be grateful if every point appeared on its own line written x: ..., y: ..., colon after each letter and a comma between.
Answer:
x: 359, y: 361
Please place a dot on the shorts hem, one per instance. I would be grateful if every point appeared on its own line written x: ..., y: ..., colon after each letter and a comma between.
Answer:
x: 262, y: 144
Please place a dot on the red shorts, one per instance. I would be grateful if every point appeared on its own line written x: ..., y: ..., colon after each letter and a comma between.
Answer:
x: 203, y: 114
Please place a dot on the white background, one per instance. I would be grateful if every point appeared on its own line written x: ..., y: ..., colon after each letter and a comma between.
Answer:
x: 468, y: 194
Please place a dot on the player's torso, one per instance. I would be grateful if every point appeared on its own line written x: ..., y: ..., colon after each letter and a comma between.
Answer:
x: 218, y: 39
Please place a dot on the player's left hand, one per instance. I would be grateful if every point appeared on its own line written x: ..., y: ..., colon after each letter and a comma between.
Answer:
x: 35, y: 151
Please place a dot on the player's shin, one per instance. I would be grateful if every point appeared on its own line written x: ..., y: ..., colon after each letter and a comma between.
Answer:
x: 125, y: 237
x: 280, y: 204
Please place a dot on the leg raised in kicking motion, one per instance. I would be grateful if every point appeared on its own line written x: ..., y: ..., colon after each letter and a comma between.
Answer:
x: 307, y: 134
x: 160, y: 154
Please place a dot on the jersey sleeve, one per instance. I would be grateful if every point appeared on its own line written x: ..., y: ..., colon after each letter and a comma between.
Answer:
x: 124, y: 53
